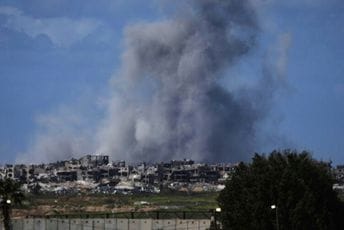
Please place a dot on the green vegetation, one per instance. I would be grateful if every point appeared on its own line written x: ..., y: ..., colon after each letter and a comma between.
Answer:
x: 299, y: 187
x: 196, y: 201
x: 79, y: 204
x: 10, y: 195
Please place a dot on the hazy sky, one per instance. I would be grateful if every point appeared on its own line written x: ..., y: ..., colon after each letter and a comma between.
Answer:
x: 57, y: 59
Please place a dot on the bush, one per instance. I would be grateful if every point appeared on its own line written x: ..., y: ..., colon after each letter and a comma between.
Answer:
x: 298, y: 185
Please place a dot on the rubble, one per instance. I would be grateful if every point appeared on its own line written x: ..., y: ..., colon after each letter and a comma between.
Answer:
x: 96, y: 174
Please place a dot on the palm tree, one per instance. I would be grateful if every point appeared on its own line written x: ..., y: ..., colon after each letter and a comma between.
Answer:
x: 10, y: 193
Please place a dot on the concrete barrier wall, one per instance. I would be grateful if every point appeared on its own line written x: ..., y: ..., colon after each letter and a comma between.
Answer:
x: 75, y: 224
x: 110, y: 224
x: 157, y: 224
x: 146, y: 224
x: 122, y: 224
x: 87, y: 224
x: 107, y: 224
x: 28, y: 224
x: 192, y: 224
x: 204, y: 224
x: 39, y: 224
x: 49, y: 223
x: 62, y: 224
x: 17, y: 224
x: 99, y: 224
x: 182, y: 224
x: 170, y: 224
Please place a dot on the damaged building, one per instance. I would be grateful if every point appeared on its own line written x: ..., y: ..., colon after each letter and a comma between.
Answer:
x: 95, y: 173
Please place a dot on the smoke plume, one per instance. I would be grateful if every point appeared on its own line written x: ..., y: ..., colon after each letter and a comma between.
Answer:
x: 167, y: 99
x: 168, y: 102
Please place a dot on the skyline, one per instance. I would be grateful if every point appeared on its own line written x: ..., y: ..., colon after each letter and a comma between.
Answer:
x: 59, y: 60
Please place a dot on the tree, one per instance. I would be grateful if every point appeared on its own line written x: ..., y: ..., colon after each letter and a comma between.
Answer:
x: 299, y: 186
x: 10, y: 194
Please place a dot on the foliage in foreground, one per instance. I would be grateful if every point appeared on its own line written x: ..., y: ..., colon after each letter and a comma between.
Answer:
x: 10, y: 194
x: 298, y: 185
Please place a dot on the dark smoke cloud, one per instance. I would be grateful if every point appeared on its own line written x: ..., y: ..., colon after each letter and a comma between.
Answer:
x: 168, y: 102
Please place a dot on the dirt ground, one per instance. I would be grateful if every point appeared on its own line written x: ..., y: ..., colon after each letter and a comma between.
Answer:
x: 84, y: 204
x: 44, y: 210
